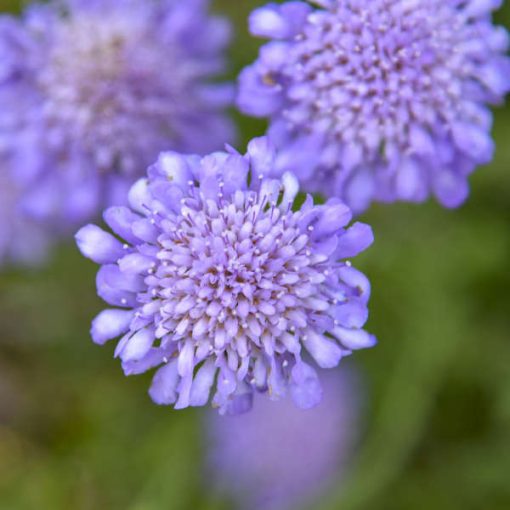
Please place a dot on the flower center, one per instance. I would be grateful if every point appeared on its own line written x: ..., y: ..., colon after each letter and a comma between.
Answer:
x: 364, y: 74
x: 104, y: 88
x: 236, y: 273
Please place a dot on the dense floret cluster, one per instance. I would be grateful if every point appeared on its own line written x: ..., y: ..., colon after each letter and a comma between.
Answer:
x: 92, y: 91
x: 224, y: 286
x: 379, y: 99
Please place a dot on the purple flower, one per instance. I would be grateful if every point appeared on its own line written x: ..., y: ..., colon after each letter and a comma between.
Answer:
x: 92, y: 91
x: 379, y: 99
x: 223, y: 286
x: 279, y: 457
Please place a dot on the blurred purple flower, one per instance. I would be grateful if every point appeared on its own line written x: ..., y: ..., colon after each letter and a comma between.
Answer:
x: 223, y: 284
x: 92, y: 91
x: 377, y: 99
x: 22, y: 240
x: 279, y: 457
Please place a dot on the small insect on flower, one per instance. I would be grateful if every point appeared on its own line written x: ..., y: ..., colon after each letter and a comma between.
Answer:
x: 91, y: 91
x: 381, y: 100
x: 224, y: 286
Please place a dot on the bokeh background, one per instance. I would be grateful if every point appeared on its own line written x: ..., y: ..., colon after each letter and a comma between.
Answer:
x: 435, y: 431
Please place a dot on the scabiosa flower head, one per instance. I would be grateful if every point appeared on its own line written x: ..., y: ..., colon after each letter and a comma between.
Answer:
x: 379, y: 99
x: 92, y: 91
x: 225, y: 286
x: 279, y: 457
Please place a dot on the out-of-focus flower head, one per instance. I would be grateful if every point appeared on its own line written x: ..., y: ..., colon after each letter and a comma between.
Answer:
x: 279, y: 457
x: 226, y: 288
x: 379, y: 99
x: 22, y: 240
x: 92, y: 90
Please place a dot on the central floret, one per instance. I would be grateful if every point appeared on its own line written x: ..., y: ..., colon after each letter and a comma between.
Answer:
x: 239, y: 275
x: 228, y: 287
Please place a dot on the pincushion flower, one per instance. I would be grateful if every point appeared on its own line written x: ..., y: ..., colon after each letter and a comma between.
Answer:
x: 92, y: 91
x: 279, y: 457
x: 223, y: 286
x: 380, y: 100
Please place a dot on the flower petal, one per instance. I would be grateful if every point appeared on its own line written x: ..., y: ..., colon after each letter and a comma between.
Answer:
x: 163, y: 390
x: 110, y: 324
x: 139, y: 196
x: 279, y: 21
x: 98, y: 245
x: 354, y: 339
x: 117, y: 288
x: 255, y: 97
x: 325, y: 352
x: 450, y: 188
x: 352, y: 314
x: 137, y: 346
x: 305, y: 388
x: 153, y: 358
x: 120, y: 220
x: 202, y: 383
x: 473, y: 141
x: 356, y: 239
x: 262, y: 154
x: 135, y: 263
x: 356, y: 280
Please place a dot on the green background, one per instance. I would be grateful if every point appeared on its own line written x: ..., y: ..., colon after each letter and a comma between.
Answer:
x: 76, y: 434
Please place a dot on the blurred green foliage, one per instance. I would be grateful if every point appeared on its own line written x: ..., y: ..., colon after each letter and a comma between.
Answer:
x: 75, y: 433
